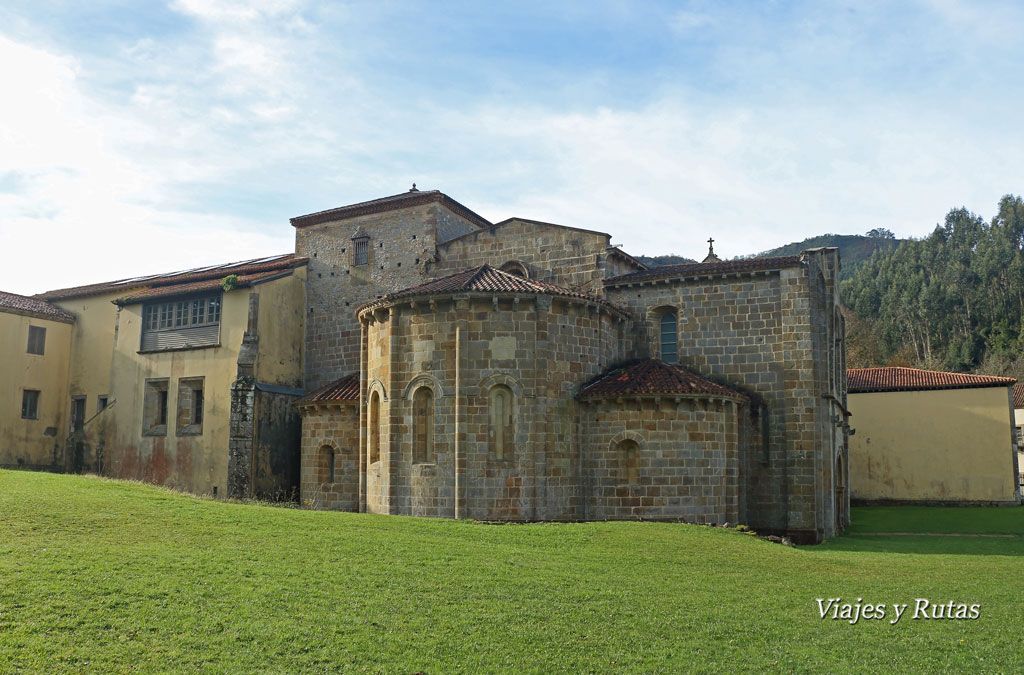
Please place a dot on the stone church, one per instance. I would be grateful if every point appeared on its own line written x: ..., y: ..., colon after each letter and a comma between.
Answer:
x: 524, y: 370
x: 411, y: 357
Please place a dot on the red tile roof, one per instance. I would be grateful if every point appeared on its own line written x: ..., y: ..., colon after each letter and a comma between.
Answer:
x: 706, y: 269
x: 486, y: 279
x: 861, y: 380
x: 342, y: 389
x: 282, y: 262
x: 655, y: 377
x: 244, y: 280
x: 22, y: 304
x: 1018, y: 396
x: 384, y: 204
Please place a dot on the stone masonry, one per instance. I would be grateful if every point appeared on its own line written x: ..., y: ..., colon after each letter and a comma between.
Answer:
x: 515, y: 372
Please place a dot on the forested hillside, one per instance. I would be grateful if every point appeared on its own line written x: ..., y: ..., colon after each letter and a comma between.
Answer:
x: 952, y: 301
x: 659, y: 260
x: 854, y: 249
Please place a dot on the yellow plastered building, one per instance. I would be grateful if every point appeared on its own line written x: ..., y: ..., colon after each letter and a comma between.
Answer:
x: 931, y: 437
x: 183, y: 379
x: 36, y: 336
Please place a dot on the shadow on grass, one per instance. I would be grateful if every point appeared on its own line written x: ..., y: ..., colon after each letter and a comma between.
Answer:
x: 918, y: 544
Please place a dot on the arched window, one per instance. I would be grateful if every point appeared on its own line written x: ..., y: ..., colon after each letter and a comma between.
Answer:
x: 327, y: 471
x: 500, y: 431
x: 515, y: 267
x: 423, y: 426
x: 669, y: 337
x: 374, y: 424
x: 627, y: 451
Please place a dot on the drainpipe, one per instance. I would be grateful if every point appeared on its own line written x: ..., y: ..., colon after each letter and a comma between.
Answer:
x: 458, y: 345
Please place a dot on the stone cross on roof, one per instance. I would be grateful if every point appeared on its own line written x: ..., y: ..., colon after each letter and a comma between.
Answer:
x: 711, y: 252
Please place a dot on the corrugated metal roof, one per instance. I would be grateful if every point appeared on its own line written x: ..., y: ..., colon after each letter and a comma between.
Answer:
x: 654, y: 376
x: 703, y: 269
x: 22, y: 304
x: 343, y: 389
x: 486, y: 279
x: 895, y: 378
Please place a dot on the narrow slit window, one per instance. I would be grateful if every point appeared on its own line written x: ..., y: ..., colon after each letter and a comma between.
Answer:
x: 374, y: 422
x: 669, y: 338
x: 423, y: 426
x: 501, y: 431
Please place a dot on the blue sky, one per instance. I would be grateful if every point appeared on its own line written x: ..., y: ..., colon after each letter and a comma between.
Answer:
x: 137, y: 138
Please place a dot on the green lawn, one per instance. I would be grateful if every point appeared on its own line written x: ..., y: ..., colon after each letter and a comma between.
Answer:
x: 102, y: 575
x: 946, y: 520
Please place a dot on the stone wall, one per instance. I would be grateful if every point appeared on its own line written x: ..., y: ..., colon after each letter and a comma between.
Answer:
x: 331, y: 429
x: 564, y: 256
x: 541, y: 349
x: 401, y: 242
x: 662, y: 458
x: 768, y: 333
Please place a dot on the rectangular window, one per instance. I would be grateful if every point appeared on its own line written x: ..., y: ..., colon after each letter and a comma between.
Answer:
x: 360, y: 251
x: 154, y: 408
x: 189, y: 418
x: 101, y: 403
x: 36, y: 340
x: 181, y: 314
x: 30, y: 404
x: 181, y: 324
x: 1020, y: 438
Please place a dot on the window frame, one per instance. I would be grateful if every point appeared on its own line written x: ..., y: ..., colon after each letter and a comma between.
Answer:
x: 194, y: 314
x: 360, y: 251
x: 373, y: 422
x: 25, y: 397
x: 37, y: 340
x: 156, y: 406
x: 423, y: 436
x: 669, y: 318
x: 186, y: 420
x: 501, y: 434
x: 176, y: 315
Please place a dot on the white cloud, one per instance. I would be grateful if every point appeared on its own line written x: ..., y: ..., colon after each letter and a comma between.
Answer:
x: 159, y: 174
x: 685, y: 21
x: 86, y: 209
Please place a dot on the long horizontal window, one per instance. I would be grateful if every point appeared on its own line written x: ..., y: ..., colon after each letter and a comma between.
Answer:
x: 181, y: 323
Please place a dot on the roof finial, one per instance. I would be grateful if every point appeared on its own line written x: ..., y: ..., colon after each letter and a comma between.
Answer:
x: 711, y: 252
x: 413, y: 188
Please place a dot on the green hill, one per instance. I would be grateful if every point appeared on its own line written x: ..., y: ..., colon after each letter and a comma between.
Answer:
x: 107, y: 576
x: 854, y: 249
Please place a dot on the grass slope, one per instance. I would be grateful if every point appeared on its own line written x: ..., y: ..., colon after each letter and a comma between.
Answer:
x: 102, y: 575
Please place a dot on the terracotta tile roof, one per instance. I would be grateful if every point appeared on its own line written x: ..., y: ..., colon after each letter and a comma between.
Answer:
x: 22, y: 304
x: 706, y: 269
x: 486, y: 279
x: 655, y: 377
x: 384, y: 204
x: 861, y: 380
x: 286, y: 261
x: 244, y: 281
x: 1018, y: 396
x: 343, y: 389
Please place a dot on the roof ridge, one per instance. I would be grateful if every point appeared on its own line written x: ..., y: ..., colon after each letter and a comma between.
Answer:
x: 203, y: 272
